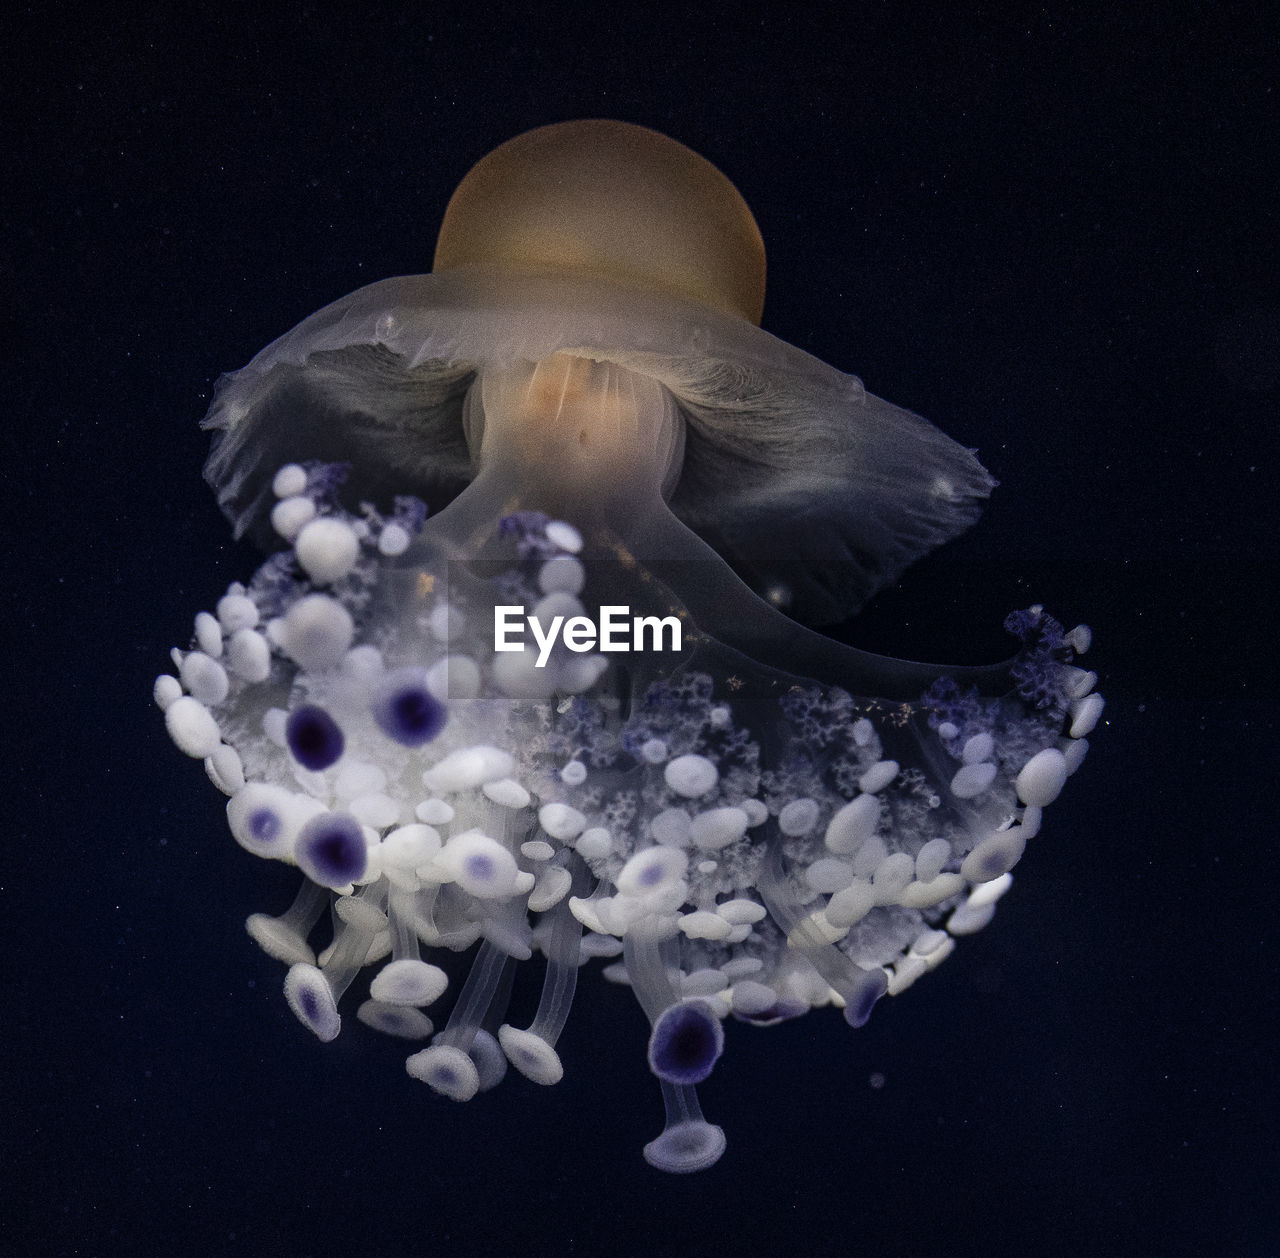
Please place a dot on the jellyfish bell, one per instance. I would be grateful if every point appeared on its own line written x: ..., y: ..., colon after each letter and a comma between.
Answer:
x: 770, y: 459
x: 611, y: 200
x: 574, y: 416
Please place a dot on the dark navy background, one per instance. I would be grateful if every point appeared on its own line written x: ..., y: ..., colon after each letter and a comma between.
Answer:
x: 1054, y: 235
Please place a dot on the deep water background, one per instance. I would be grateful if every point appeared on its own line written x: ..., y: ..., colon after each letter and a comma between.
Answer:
x: 1052, y: 234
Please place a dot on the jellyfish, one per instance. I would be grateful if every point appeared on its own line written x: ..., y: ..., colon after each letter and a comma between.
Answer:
x: 530, y: 667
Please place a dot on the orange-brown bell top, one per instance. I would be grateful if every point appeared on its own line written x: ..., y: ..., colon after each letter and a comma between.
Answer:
x: 613, y: 200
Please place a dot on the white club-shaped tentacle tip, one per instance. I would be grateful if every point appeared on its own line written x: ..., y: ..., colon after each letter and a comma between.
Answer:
x: 225, y: 769
x: 394, y: 540
x: 995, y: 855
x: 531, y: 1055
x: 852, y: 825
x: 446, y: 1070
x: 290, y: 515
x: 860, y: 998
x: 552, y: 886
x: 489, y: 1060
x: 752, y: 999
x: 506, y: 793
x: 563, y: 574
x: 565, y: 536
x: 537, y: 850
x: 969, y: 918
x: 717, y: 828
x: 291, y: 479
x: 692, y: 1145
x: 311, y: 999
x: 1080, y: 638
x: 400, y: 1020
x: 931, y: 858
x: 265, y: 818
x: 359, y: 913
x: 1042, y: 778
x: 317, y: 631
x: 798, y: 817
x: 468, y: 768
x: 652, y: 871
x: 204, y: 678
x: 481, y: 866
x: 192, y: 727
x: 208, y: 634
x: 167, y: 690
x: 989, y: 892
x: 904, y: 972
x: 574, y: 773
x: 977, y: 749
x: 236, y: 611
x: 1074, y: 755
x: 1085, y: 714
x: 561, y: 822
x: 409, y: 982
x: 518, y: 676
x: 279, y: 940
x: 691, y: 776
x: 704, y: 925
x: 971, y: 780
x: 327, y: 549
x: 249, y: 655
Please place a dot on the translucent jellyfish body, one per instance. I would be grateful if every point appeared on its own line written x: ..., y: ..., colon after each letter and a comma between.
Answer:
x: 551, y: 716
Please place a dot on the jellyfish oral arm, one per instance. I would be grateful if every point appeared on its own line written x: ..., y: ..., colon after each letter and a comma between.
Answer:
x: 574, y: 435
x: 752, y: 851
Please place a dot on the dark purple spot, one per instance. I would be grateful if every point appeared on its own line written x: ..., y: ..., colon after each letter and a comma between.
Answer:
x: 687, y: 1040
x: 331, y: 849
x: 314, y: 737
x: 994, y: 863
x: 652, y: 874
x: 264, y: 825
x: 866, y: 991
x: 479, y: 865
x: 310, y: 1005
x: 406, y: 710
